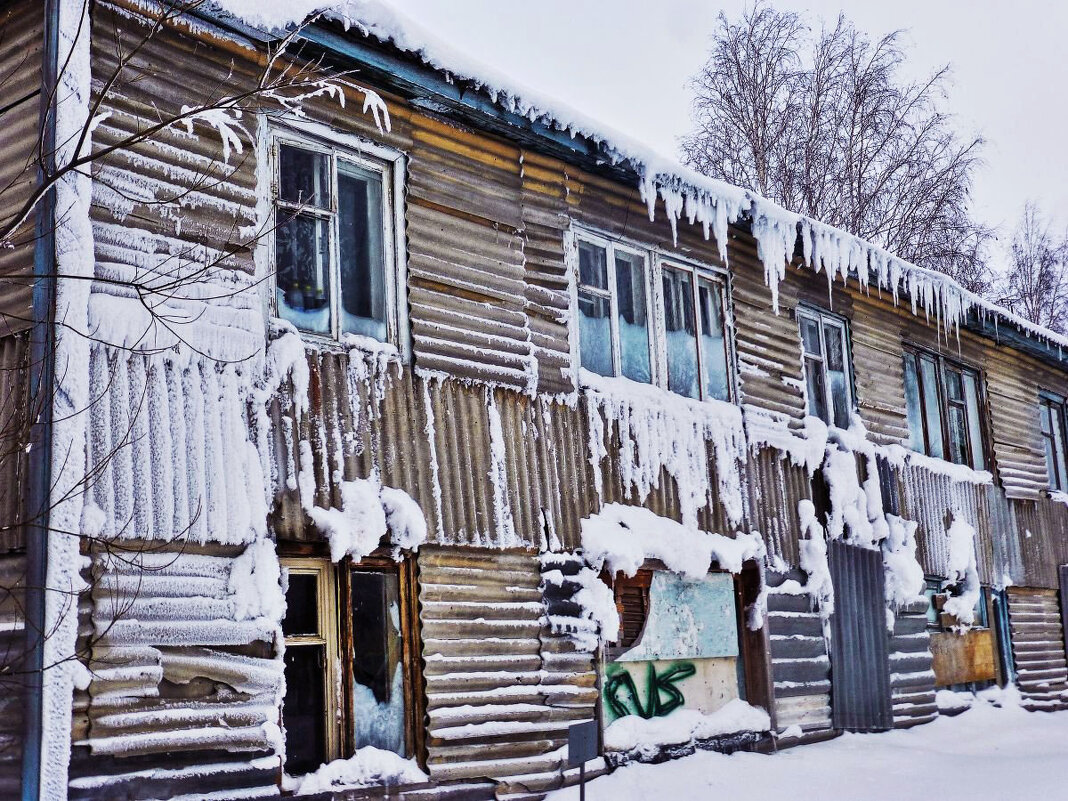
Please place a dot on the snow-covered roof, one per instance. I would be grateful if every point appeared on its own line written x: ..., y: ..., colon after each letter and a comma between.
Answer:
x: 686, y: 194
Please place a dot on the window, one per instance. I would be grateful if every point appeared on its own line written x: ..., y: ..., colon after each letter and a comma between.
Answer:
x: 938, y: 593
x: 1051, y: 420
x: 825, y: 342
x: 344, y: 662
x: 335, y: 250
x: 617, y: 288
x: 942, y: 401
x: 613, y: 307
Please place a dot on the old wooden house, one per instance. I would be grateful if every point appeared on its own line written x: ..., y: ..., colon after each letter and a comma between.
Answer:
x: 372, y: 422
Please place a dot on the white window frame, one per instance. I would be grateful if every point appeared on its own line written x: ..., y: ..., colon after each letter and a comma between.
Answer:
x: 820, y: 316
x: 611, y: 247
x: 697, y: 273
x: 655, y: 261
x: 390, y: 165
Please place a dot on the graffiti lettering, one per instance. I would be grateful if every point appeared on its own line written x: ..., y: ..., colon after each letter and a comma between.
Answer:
x: 662, y: 697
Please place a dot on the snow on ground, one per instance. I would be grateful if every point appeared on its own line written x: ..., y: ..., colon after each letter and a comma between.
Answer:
x: 984, y: 754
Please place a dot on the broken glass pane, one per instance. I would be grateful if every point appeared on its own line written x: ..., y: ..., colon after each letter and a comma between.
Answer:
x: 595, y: 333
x: 363, y: 274
x: 681, y: 333
x: 302, y: 265
x: 912, y: 404
x: 975, y: 431
x: 302, y: 607
x: 377, y: 673
x: 304, y: 177
x: 633, y: 319
x: 304, y: 708
x: 713, y: 342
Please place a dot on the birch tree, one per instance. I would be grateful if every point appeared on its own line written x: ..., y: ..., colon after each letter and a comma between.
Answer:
x: 825, y: 123
x: 1035, y: 284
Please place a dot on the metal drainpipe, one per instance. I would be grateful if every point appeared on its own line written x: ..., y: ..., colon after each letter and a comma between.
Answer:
x: 41, y: 375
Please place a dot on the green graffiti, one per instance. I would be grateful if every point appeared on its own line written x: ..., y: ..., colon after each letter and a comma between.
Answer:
x: 662, y: 697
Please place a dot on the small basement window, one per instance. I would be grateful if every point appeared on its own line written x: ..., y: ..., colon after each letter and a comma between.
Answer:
x: 335, y: 239
x: 825, y: 342
x: 346, y: 684
x: 1051, y: 421
x: 943, y: 402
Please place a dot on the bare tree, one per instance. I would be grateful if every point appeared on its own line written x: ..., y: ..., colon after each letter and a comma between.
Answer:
x: 823, y: 123
x: 286, y: 79
x: 1035, y: 284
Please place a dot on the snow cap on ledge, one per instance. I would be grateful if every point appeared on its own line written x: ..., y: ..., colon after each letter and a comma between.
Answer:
x: 685, y: 192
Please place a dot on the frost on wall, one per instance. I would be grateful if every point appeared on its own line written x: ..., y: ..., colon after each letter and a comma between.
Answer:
x: 660, y: 431
x: 904, y: 574
x: 963, y: 572
x: 813, y: 558
x: 367, y: 513
x: 578, y: 604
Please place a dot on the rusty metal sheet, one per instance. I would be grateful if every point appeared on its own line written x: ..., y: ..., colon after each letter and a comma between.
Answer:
x: 963, y: 658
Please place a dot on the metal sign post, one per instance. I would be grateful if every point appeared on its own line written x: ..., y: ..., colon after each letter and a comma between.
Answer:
x: 581, y: 748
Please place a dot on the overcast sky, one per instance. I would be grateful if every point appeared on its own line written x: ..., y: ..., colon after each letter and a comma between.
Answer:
x: 627, y: 62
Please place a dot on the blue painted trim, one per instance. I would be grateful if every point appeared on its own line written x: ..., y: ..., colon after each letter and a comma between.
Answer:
x: 41, y: 374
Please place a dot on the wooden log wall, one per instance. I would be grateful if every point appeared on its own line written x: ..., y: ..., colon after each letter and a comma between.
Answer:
x: 21, y: 42
x: 912, y: 680
x: 1038, y: 647
x: 501, y: 690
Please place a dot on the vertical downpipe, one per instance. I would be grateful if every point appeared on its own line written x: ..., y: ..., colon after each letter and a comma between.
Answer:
x: 41, y: 372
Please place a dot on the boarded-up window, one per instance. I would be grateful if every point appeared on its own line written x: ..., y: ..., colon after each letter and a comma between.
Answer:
x: 632, y: 603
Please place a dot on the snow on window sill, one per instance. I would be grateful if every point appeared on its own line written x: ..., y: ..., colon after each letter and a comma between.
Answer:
x: 900, y: 456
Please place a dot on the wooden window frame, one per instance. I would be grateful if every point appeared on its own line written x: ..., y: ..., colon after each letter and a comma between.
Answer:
x: 1055, y: 412
x: 335, y: 618
x: 389, y: 164
x: 820, y: 317
x: 942, y: 365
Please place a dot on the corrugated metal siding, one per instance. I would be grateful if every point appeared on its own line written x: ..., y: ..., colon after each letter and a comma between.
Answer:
x: 800, y: 666
x: 501, y: 691
x: 912, y: 679
x: 1038, y: 647
x: 860, y: 687
x: 183, y: 696
x: 12, y: 689
x: 21, y: 40
x: 544, y: 199
x: 775, y: 485
x: 15, y: 419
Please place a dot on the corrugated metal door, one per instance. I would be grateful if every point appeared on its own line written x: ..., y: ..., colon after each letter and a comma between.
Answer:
x: 860, y: 667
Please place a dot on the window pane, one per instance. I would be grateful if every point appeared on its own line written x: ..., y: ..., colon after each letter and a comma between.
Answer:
x: 302, y: 607
x: 304, y: 177
x: 304, y: 708
x: 593, y: 266
x: 931, y: 411
x: 713, y: 342
x: 958, y: 434
x: 954, y: 390
x: 595, y: 333
x: 912, y: 404
x: 810, y: 336
x: 817, y: 393
x: 363, y: 273
x: 1044, y: 415
x: 302, y: 262
x: 836, y: 372
x: 377, y: 673
x: 975, y: 431
x: 633, y: 317
x: 681, y: 333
